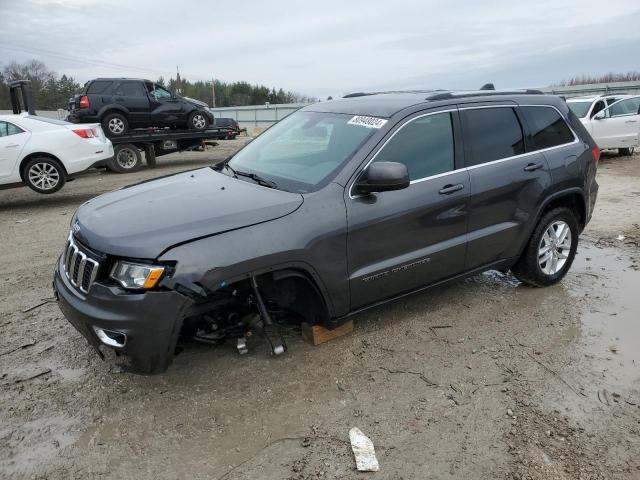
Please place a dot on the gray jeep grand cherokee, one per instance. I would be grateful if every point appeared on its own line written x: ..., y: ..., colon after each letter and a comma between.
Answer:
x: 337, y: 208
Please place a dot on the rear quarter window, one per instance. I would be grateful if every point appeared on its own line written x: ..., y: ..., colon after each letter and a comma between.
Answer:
x: 98, y: 86
x: 547, y: 127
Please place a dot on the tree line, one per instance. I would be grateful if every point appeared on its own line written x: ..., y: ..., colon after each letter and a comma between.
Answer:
x: 52, y: 91
x: 606, y: 78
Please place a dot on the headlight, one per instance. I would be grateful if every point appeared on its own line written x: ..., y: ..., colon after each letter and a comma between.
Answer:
x: 136, y: 275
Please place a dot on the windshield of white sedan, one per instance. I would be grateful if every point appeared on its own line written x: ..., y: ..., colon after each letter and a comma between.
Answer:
x: 302, y: 152
x: 579, y: 108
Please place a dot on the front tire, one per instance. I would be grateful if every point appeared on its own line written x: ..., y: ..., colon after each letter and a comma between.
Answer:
x: 626, y: 152
x: 44, y: 175
x: 198, y: 121
x: 115, y: 125
x: 126, y: 159
x: 551, y: 249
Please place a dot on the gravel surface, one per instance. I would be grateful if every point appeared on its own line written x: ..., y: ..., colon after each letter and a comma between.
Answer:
x: 482, y: 379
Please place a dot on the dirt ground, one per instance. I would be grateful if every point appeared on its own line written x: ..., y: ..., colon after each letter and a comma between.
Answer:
x: 483, y: 379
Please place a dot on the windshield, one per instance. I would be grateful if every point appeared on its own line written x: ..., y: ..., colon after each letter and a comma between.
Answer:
x: 304, y: 151
x: 579, y: 108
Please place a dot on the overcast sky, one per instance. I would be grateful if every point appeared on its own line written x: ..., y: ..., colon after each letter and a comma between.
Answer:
x: 328, y: 47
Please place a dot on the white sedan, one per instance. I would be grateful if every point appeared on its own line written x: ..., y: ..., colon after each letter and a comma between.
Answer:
x: 43, y: 153
x: 617, y: 126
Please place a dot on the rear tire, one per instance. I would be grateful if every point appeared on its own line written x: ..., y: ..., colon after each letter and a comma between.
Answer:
x: 126, y: 159
x: 551, y: 249
x: 115, y: 125
x: 626, y: 152
x: 198, y: 121
x: 44, y: 175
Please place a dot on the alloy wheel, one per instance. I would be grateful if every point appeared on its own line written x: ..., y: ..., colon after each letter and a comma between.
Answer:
x: 116, y: 125
x: 44, y: 176
x: 554, y: 247
x: 199, y: 121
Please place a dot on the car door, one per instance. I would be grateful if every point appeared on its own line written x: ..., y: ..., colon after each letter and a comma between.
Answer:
x: 618, y: 126
x: 132, y: 95
x: 401, y: 240
x: 166, y: 109
x: 12, y: 142
x: 506, y: 183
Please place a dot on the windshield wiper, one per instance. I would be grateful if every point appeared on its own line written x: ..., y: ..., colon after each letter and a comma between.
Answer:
x: 255, y: 177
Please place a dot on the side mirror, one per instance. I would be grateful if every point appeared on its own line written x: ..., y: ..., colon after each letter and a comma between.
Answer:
x: 383, y: 177
x: 600, y: 115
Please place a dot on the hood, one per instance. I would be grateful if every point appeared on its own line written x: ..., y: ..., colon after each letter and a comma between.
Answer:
x: 195, y: 102
x: 143, y: 220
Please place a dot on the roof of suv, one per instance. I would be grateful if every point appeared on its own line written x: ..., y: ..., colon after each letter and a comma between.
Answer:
x: 111, y: 79
x: 386, y: 104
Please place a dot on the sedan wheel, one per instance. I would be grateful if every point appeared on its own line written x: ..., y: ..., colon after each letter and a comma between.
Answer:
x: 44, y: 175
x: 554, y: 247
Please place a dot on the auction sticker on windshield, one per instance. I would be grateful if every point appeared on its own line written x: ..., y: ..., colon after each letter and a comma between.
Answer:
x: 368, y: 122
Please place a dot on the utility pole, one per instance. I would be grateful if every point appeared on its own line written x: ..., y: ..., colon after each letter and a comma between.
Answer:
x: 213, y: 92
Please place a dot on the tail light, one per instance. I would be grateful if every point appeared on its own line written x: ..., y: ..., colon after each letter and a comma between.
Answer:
x: 595, y: 151
x: 86, y: 132
x: 84, y: 102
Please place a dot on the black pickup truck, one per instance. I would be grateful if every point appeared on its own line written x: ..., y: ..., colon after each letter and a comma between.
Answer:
x: 122, y: 104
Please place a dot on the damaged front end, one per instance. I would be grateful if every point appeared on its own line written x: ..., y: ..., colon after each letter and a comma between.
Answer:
x: 144, y: 328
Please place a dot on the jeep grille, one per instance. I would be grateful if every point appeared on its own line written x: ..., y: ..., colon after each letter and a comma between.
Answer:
x: 80, y: 269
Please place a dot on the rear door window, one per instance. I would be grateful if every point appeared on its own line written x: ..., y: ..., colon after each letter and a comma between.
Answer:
x: 547, y: 128
x: 425, y: 145
x: 98, y: 86
x: 130, y: 89
x: 7, y: 129
x: 492, y: 134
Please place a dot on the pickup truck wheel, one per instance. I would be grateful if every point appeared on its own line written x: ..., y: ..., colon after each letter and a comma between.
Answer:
x: 626, y: 152
x: 551, y: 249
x: 115, y: 124
x: 44, y: 175
x: 198, y: 121
x: 126, y: 159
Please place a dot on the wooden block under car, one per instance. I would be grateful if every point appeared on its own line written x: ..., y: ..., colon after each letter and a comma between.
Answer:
x: 316, y: 334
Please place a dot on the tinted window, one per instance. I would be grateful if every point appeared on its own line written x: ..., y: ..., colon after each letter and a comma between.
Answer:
x: 424, y: 145
x: 548, y: 128
x: 7, y: 129
x: 492, y: 134
x: 130, y: 89
x: 98, y: 86
x: 630, y: 106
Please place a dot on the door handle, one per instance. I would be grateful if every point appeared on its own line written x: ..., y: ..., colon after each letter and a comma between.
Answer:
x: 449, y: 189
x: 119, y: 99
x: 631, y: 121
x: 12, y: 145
x: 532, y: 167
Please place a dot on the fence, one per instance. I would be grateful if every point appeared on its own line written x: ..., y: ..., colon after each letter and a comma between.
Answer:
x: 632, y: 88
x: 59, y: 114
x: 257, y: 116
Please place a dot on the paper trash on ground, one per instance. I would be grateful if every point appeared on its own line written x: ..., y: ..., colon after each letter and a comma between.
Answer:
x: 363, y: 450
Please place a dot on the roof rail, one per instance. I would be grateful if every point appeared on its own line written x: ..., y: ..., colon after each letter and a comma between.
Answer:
x: 481, y: 93
x: 363, y: 94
